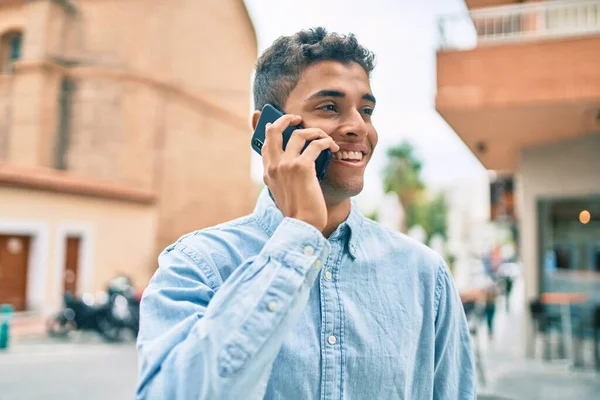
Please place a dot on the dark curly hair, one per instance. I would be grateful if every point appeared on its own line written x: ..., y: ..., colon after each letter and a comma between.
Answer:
x: 279, y: 68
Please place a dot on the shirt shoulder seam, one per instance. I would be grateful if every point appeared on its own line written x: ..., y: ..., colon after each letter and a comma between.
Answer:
x: 212, y: 273
x: 214, y: 277
x: 438, y: 288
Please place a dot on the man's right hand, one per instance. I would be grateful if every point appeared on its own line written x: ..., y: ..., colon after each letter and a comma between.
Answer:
x: 291, y: 175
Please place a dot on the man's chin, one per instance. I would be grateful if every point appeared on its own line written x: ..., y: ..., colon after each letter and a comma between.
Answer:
x: 341, y: 190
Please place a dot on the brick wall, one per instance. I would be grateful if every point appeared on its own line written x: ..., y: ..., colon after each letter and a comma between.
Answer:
x: 519, y: 73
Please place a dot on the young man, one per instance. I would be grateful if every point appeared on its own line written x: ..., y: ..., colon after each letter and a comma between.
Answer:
x: 306, y: 298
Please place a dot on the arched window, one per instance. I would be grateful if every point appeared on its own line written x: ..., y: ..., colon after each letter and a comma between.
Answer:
x: 10, y: 49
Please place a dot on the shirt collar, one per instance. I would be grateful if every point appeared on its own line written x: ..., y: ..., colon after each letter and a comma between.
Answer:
x: 269, y: 217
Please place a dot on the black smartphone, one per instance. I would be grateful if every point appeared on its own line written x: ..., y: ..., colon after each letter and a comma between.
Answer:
x: 271, y: 114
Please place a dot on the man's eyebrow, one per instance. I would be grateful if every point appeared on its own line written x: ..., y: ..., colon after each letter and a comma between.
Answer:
x: 369, y: 97
x: 326, y: 93
x: 337, y: 93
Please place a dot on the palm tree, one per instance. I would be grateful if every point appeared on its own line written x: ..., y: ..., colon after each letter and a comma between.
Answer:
x: 402, y: 175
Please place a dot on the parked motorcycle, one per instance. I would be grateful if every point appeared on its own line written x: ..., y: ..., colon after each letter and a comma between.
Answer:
x: 84, y: 314
x: 110, y: 314
x: 125, y: 303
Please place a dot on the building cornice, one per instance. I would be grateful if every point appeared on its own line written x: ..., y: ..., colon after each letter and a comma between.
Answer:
x: 64, y: 182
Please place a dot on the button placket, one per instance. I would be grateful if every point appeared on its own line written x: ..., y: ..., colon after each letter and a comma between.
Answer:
x: 330, y: 315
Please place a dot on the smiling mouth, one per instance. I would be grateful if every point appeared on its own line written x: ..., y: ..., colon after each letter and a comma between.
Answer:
x: 348, y: 156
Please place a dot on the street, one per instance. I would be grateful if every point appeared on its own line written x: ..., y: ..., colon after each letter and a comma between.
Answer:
x: 83, y: 368
x: 87, y: 368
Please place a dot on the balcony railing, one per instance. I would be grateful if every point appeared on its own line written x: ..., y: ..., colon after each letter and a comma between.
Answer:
x: 520, y: 22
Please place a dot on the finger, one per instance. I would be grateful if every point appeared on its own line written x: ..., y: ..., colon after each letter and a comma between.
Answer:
x: 317, y: 146
x: 265, y: 156
x: 300, y: 137
x: 274, y: 137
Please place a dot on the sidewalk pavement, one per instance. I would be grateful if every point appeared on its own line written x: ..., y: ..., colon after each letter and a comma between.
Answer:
x: 512, y: 376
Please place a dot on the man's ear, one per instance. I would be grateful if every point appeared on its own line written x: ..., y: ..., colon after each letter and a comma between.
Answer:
x: 255, y: 117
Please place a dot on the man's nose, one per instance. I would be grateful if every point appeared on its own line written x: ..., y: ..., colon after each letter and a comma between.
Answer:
x: 354, y: 125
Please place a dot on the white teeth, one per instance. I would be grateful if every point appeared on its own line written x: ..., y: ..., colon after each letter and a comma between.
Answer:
x: 348, y: 155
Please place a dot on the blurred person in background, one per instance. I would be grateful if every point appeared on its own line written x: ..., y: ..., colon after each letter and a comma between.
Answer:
x: 492, y: 260
x: 306, y: 298
x: 489, y: 311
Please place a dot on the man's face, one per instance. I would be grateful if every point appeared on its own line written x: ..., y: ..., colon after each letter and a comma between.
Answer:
x: 337, y: 98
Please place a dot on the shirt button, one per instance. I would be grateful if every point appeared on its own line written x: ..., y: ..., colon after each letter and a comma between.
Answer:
x: 309, y: 251
x: 331, y: 340
x: 318, y: 264
x: 328, y: 275
x: 272, y: 306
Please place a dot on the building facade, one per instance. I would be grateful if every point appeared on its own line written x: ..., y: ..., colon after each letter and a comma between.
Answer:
x: 123, y: 125
x: 524, y: 95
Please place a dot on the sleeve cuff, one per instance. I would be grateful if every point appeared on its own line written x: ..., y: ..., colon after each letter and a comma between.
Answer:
x: 297, y: 244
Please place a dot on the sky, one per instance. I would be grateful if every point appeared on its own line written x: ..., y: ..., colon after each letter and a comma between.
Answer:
x: 403, y: 34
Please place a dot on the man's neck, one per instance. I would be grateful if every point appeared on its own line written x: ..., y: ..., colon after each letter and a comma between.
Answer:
x: 337, y: 213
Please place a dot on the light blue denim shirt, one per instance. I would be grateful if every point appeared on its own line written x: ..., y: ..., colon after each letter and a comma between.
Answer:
x: 266, y: 307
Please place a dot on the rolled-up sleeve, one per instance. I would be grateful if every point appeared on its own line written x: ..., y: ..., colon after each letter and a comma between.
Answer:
x: 454, y: 372
x: 201, y: 338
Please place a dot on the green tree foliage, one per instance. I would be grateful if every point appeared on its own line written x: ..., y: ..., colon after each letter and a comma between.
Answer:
x: 402, y: 176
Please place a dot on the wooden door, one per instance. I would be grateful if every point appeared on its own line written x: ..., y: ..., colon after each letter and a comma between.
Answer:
x: 14, y: 260
x: 71, y: 264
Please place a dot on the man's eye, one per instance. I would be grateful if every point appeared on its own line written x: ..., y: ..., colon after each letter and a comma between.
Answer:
x: 328, y: 107
x: 368, y: 111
